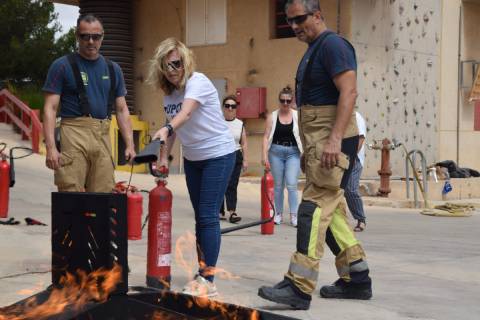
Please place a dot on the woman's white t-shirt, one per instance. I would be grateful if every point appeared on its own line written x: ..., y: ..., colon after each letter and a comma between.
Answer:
x: 205, y: 135
x: 236, y: 129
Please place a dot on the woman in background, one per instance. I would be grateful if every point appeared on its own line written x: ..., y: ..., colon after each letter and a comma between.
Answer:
x: 241, y: 163
x: 281, y: 153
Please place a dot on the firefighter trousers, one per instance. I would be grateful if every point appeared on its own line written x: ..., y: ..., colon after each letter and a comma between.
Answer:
x: 322, y: 213
x: 86, y: 158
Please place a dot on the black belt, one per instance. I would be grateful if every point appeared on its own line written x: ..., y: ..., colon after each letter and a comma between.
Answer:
x: 286, y: 143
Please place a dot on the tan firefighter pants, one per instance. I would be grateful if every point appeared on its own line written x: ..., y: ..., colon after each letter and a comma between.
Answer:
x: 322, y: 214
x: 86, y: 161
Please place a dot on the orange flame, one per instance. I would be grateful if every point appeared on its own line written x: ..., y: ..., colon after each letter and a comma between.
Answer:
x: 28, y: 292
x: 186, y: 257
x: 77, y: 291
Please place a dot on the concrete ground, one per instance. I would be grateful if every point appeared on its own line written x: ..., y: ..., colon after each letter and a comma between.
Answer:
x: 423, y: 267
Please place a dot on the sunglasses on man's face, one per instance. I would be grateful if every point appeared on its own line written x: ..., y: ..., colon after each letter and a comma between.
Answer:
x: 298, y: 19
x: 286, y: 101
x: 88, y: 36
x: 174, y: 65
x: 230, y: 106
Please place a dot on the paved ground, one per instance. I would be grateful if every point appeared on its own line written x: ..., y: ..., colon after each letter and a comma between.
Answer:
x: 423, y: 267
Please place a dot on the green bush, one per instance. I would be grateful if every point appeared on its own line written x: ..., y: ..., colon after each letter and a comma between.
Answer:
x: 31, y: 94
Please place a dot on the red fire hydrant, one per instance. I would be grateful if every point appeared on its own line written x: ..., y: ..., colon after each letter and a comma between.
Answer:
x: 385, y: 170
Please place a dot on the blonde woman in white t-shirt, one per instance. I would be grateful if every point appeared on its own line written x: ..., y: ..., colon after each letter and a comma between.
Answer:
x: 241, y: 163
x: 193, y: 112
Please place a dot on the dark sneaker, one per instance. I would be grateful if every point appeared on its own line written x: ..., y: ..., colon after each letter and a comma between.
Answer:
x: 344, y: 290
x: 285, y: 293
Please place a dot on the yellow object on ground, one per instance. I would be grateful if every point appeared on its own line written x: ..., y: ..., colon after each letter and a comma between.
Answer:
x: 140, y: 139
x: 450, y: 210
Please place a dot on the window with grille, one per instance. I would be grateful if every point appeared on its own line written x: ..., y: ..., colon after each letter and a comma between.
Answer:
x: 281, y: 29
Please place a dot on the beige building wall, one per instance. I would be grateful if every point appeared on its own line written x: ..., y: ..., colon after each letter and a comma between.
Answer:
x: 250, y: 57
x: 457, y: 139
x: 468, y: 138
x: 447, y: 135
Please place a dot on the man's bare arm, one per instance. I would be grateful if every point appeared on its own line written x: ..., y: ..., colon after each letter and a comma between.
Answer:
x: 49, y: 119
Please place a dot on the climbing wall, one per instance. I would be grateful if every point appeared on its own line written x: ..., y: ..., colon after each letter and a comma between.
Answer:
x: 398, y: 46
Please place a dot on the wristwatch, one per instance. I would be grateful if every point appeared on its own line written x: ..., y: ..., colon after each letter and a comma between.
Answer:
x: 170, y: 129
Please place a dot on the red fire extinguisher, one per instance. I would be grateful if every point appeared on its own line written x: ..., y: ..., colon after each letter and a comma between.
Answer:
x: 267, y: 202
x: 159, y: 232
x: 4, y: 185
x: 134, y: 214
x: 134, y: 209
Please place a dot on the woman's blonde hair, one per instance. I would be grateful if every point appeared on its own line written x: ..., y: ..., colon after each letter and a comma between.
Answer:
x: 158, y: 66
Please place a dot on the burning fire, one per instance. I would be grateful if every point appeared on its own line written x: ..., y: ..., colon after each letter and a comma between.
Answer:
x: 77, y: 291
x: 28, y: 292
x: 186, y: 252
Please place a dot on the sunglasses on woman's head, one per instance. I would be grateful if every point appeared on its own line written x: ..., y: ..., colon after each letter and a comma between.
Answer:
x: 230, y: 106
x: 286, y: 101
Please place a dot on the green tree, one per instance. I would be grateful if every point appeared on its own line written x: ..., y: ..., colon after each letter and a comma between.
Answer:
x: 27, y: 38
x: 66, y: 43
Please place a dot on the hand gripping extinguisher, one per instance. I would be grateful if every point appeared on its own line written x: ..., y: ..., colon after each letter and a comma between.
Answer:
x: 159, y: 232
x: 267, y: 206
x: 4, y: 184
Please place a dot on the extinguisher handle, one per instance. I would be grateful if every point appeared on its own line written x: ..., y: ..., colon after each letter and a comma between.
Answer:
x: 161, y: 172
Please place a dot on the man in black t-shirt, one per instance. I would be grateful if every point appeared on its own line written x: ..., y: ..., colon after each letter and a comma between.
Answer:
x: 326, y: 91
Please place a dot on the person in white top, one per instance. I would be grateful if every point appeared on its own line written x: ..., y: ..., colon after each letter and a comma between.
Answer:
x: 193, y: 112
x: 352, y: 196
x: 282, y: 148
x: 241, y: 162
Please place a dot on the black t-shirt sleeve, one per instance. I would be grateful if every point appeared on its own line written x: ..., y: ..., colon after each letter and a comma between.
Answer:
x: 338, y: 56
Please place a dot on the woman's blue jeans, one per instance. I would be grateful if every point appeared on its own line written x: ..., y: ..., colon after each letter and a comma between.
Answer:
x: 285, y: 166
x: 206, y: 182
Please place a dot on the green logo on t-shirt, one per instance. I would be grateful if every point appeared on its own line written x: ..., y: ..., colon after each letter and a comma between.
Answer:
x: 84, y: 78
x: 105, y: 77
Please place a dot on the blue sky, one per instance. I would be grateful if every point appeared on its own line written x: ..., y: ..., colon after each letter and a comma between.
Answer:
x: 67, y: 16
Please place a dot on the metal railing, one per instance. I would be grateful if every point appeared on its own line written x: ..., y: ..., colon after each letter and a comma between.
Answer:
x: 14, y: 111
x: 423, y: 162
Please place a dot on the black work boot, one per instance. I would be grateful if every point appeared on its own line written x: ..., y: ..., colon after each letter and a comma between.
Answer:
x: 285, y: 292
x: 345, y: 290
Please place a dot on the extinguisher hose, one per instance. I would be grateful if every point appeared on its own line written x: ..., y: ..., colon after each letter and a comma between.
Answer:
x: 12, y: 166
x: 255, y: 223
x: 3, y: 145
